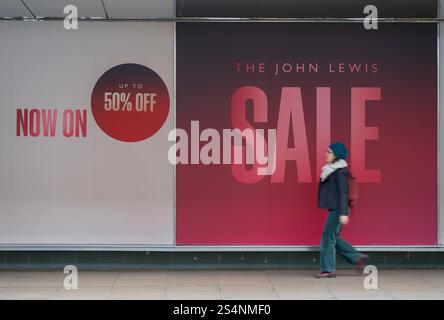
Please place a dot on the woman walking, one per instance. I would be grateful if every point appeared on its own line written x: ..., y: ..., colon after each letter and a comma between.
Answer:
x: 333, y: 195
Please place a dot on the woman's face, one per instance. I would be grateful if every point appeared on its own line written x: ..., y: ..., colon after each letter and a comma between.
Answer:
x: 329, y: 155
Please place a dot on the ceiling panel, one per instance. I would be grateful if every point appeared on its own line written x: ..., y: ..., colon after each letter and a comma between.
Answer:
x: 54, y: 8
x: 218, y: 8
x: 13, y: 8
x: 139, y: 8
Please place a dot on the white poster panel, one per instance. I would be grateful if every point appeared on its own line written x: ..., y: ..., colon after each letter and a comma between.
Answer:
x: 70, y: 175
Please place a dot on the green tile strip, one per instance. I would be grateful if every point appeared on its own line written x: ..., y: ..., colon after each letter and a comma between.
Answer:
x: 105, y: 260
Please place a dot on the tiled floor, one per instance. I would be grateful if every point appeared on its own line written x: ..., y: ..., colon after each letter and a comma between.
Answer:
x: 222, y: 284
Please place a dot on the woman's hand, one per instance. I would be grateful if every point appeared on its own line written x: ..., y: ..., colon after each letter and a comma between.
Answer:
x: 344, y: 220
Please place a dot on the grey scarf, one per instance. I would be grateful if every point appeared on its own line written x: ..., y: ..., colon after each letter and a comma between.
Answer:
x: 329, y: 168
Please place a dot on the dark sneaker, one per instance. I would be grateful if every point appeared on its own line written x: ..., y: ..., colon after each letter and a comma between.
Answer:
x: 362, y: 263
x: 326, y: 275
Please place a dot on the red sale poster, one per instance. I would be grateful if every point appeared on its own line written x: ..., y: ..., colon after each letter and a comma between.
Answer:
x: 310, y: 84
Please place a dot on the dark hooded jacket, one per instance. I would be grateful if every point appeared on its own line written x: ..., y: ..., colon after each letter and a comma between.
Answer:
x: 333, y: 191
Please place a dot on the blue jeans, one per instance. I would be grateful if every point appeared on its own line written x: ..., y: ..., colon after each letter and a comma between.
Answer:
x: 332, y: 243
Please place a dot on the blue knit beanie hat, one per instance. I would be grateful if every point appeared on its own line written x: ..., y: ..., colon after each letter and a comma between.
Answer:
x: 339, y: 150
